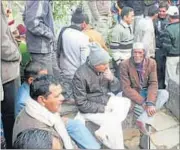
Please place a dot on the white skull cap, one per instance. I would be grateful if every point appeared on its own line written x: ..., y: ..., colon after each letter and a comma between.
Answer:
x: 138, y: 45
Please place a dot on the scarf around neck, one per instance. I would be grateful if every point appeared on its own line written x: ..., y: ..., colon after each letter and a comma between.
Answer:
x: 40, y: 113
x: 140, y: 71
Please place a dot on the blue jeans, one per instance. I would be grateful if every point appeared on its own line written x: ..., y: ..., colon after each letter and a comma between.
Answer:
x: 81, y: 135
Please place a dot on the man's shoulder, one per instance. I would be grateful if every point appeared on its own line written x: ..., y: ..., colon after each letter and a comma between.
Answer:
x: 24, y: 89
x: 118, y: 27
x: 92, y: 32
x: 150, y: 61
x: 125, y: 62
x: 75, y: 34
x: 173, y: 26
x: 83, y: 69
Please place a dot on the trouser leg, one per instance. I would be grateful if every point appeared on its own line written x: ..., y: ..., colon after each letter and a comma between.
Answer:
x: 110, y: 130
x: 81, y: 135
x: 162, y: 98
x: 7, y: 110
x: 44, y: 59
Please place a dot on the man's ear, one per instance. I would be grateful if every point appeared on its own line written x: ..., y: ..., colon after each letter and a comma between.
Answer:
x: 30, y: 80
x: 125, y: 18
x: 41, y: 100
x: 83, y: 25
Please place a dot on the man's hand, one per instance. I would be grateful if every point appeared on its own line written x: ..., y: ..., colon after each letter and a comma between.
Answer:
x: 108, y: 75
x: 151, y: 110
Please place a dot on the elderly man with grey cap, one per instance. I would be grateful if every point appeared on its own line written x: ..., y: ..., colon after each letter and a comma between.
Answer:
x: 139, y: 83
x: 94, y: 85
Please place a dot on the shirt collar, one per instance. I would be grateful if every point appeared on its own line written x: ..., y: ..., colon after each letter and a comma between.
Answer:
x: 124, y: 24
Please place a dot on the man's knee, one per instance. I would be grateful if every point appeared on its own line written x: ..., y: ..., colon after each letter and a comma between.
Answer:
x: 123, y: 101
x: 127, y: 102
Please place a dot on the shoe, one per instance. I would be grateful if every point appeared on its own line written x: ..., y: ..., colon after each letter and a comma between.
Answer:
x: 142, y: 127
x: 103, y: 138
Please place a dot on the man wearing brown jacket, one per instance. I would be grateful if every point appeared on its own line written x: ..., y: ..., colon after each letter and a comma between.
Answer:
x: 139, y: 83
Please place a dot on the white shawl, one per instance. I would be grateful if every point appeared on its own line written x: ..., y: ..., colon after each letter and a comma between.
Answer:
x: 37, y: 111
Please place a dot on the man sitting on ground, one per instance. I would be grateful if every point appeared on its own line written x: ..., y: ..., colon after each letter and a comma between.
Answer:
x: 139, y: 83
x: 93, y: 82
x: 42, y: 112
x: 32, y: 70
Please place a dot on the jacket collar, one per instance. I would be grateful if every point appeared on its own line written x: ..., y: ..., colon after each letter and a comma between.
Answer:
x: 75, y: 27
x: 92, y: 68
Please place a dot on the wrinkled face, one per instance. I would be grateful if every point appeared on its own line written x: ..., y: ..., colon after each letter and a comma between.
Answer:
x: 54, y: 99
x: 138, y: 55
x: 162, y: 12
x: 130, y: 18
x: 101, y: 68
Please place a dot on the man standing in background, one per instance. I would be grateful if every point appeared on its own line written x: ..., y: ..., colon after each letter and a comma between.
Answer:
x: 170, y: 45
x: 99, y: 15
x: 40, y: 36
x: 10, y: 71
x: 160, y: 25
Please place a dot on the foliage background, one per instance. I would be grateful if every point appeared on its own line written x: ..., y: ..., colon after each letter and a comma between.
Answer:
x: 62, y: 10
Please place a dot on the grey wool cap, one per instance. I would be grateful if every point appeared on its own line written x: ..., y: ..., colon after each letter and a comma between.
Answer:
x: 98, y: 55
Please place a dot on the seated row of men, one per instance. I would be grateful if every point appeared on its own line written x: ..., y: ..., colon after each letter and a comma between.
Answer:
x: 97, y: 96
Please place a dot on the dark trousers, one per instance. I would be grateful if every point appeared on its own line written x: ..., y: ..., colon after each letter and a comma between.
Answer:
x: 7, y: 110
x: 117, y: 71
x: 161, y: 65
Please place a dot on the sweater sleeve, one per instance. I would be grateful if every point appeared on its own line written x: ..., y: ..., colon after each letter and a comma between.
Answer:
x: 166, y: 42
x: 84, y: 50
x: 115, y: 42
x: 153, y: 83
x: 35, y: 23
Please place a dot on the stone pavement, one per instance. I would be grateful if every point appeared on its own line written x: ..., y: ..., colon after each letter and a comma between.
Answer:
x: 166, y: 131
x: 164, y: 128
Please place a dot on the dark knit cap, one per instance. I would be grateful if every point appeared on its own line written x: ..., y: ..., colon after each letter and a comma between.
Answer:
x: 78, y: 16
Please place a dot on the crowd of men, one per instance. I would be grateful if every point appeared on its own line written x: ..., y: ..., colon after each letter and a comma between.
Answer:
x: 83, y: 74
